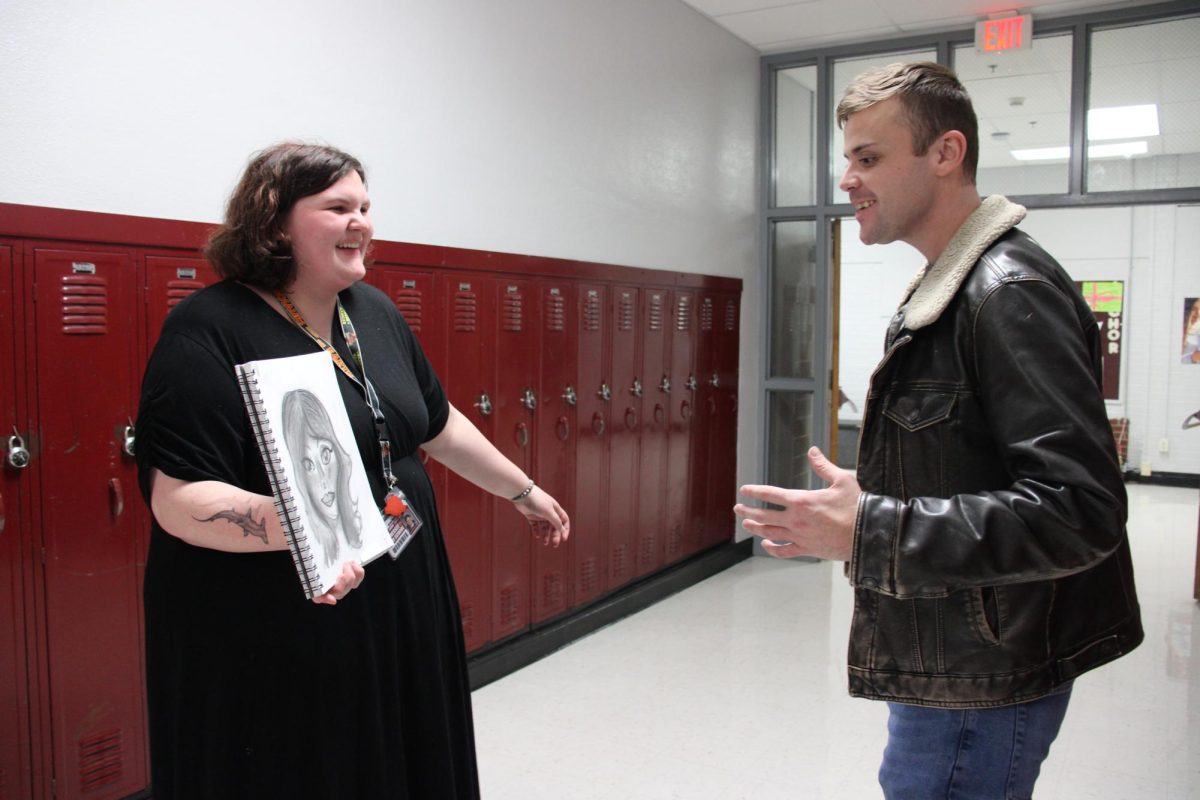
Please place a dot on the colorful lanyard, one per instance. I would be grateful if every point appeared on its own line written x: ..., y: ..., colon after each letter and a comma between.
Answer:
x: 385, y: 445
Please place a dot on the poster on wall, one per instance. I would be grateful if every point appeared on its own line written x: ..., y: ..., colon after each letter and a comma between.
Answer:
x: 1107, y: 301
x: 1190, y: 352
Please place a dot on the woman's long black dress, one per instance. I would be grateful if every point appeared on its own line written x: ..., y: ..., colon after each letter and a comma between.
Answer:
x: 254, y: 691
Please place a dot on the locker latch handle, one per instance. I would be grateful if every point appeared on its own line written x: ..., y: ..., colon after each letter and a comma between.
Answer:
x: 570, y: 396
x: 17, y: 456
x: 529, y: 399
x: 665, y: 384
x: 691, y: 382
x: 116, y: 497
x: 484, y: 404
x: 714, y: 381
x: 128, y: 440
x: 636, y: 388
x: 605, y: 392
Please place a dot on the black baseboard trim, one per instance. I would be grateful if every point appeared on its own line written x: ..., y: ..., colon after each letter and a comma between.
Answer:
x: 512, y: 654
x: 1185, y: 480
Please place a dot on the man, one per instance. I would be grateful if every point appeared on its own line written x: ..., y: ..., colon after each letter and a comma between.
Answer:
x: 985, y: 530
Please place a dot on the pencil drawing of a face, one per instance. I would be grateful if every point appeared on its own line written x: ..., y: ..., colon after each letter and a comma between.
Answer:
x: 322, y: 467
x: 320, y: 477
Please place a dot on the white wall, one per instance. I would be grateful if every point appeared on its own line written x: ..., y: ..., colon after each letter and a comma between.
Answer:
x: 620, y: 131
x: 1152, y: 248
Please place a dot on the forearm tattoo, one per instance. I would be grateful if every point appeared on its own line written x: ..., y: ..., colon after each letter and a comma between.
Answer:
x: 249, y: 525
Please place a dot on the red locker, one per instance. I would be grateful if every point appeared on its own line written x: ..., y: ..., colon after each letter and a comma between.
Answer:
x: 703, y: 422
x: 624, y: 489
x: 169, y: 279
x: 722, y: 476
x: 590, y: 513
x: 554, y: 459
x: 86, y: 366
x: 466, y: 511
x: 681, y: 538
x: 655, y: 430
x: 414, y: 293
x: 16, y: 750
x: 517, y: 367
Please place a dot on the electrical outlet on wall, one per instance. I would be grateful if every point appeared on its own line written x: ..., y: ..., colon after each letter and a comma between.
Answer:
x: 1164, y: 445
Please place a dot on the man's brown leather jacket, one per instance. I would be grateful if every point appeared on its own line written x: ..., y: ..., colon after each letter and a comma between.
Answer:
x: 991, y: 562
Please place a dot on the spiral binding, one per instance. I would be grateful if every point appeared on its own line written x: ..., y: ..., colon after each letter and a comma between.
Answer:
x: 285, y: 505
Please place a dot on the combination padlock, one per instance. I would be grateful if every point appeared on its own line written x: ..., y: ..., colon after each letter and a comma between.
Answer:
x: 18, y: 456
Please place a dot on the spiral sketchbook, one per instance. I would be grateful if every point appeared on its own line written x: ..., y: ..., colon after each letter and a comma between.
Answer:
x: 322, y: 494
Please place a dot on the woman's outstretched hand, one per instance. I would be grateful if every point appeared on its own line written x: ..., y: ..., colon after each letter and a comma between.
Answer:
x: 546, y: 517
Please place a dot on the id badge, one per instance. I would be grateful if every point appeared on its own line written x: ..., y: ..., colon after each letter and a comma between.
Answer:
x: 402, y: 522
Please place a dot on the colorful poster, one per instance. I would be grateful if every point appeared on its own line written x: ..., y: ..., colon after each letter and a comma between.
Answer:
x: 1190, y: 351
x: 1107, y: 301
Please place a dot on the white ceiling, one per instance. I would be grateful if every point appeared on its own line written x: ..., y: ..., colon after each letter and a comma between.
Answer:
x: 774, y: 26
x: 1022, y: 98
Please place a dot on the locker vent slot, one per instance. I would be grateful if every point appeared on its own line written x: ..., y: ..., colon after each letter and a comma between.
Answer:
x: 468, y: 622
x: 656, y: 312
x: 731, y: 314
x: 646, y: 556
x: 409, y: 303
x: 513, y: 315
x: 101, y: 760
x: 706, y: 314
x: 179, y: 289
x: 675, y: 540
x: 591, y: 311
x: 556, y: 313
x: 683, y: 314
x: 509, y: 613
x: 465, y: 314
x: 625, y: 312
x: 588, y: 576
x: 620, y: 563
x: 85, y: 305
x: 552, y: 590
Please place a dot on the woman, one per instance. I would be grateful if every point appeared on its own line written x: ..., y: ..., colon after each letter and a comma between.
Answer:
x: 253, y: 691
x: 323, y: 467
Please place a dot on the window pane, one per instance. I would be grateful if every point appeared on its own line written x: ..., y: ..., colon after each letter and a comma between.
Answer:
x: 795, y: 136
x: 1144, y: 107
x: 844, y: 72
x: 1023, y: 101
x: 793, y: 299
x: 789, y: 435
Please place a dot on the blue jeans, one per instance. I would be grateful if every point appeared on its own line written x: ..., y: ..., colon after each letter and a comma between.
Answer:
x: 969, y: 754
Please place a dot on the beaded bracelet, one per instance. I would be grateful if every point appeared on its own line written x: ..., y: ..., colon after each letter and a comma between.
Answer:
x: 525, y: 493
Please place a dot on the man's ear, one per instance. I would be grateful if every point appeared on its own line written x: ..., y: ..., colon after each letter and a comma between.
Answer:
x: 949, y: 151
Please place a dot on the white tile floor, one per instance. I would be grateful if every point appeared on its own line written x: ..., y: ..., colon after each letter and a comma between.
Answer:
x: 735, y: 688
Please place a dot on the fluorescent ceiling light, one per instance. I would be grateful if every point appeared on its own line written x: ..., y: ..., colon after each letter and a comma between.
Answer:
x: 1114, y: 150
x: 1122, y: 122
x: 1043, y: 154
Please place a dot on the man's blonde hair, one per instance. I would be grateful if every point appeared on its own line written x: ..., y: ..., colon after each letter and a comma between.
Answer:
x: 933, y: 99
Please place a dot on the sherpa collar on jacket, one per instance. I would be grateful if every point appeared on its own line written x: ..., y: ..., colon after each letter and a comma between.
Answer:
x: 932, y: 289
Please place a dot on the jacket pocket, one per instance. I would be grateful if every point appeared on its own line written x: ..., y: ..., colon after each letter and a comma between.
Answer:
x: 918, y: 463
x: 914, y: 410
x: 988, y: 612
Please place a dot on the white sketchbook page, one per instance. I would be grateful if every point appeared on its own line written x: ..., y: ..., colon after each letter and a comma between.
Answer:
x: 320, y: 459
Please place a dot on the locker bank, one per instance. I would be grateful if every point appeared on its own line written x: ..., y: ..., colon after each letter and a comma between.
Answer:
x: 616, y: 232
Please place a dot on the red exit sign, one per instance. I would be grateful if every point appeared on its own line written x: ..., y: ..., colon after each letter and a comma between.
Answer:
x: 1005, y: 33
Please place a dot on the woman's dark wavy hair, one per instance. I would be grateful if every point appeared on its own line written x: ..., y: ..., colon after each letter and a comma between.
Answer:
x: 250, y: 246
